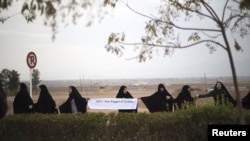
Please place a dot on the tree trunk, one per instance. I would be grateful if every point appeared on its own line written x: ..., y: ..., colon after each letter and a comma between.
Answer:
x: 236, y: 87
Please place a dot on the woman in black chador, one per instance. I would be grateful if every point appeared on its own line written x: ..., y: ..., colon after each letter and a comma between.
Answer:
x: 123, y: 93
x: 75, y: 102
x: 3, y: 101
x: 160, y: 101
x: 220, y: 94
x: 246, y: 101
x: 184, y: 98
x: 45, y: 102
x: 22, y: 101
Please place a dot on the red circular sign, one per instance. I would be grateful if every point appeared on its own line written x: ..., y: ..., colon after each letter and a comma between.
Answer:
x: 31, y: 59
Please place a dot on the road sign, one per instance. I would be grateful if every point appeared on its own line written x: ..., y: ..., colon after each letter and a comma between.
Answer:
x: 31, y: 60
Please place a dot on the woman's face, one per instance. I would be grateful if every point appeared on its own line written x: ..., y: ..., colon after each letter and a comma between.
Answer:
x: 161, y: 89
x: 69, y: 90
x: 218, y: 85
x: 125, y: 91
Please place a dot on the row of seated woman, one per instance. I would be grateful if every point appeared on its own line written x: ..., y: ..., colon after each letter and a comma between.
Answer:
x: 160, y: 101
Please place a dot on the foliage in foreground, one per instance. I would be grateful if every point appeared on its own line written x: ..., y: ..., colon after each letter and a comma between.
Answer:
x: 182, y: 125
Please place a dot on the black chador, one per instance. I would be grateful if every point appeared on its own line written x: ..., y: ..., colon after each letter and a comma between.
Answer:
x: 184, y: 98
x: 220, y: 94
x: 160, y: 101
x: 3, y: 102
x: 45, y: 102
x: 123, y: 93
x: 75, y: 102
x: 246, y: 101
x: 22, y: 101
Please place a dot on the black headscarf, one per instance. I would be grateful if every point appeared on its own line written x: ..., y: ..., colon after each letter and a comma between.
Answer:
x: 3, y: 101
x: 45, y: 103
x: 246, y: 101
x: 184, y: 96
x: 22, y: 101
x: 121, y: 94
x: 157, y: 102
x: 221, y: 96
x: 80, y: 102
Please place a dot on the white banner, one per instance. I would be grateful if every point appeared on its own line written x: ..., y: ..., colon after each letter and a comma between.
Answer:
x: 112, y: 103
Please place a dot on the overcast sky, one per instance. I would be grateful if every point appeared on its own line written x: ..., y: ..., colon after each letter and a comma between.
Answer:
x: 78, y: 51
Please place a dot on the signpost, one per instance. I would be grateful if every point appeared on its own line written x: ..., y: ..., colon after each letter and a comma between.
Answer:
x: 31, y: 60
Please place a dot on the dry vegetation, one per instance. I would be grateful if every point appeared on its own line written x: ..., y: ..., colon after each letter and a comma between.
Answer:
x: 60, y: 93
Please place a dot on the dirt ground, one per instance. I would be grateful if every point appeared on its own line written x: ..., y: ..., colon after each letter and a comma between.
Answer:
x: 60, y: 94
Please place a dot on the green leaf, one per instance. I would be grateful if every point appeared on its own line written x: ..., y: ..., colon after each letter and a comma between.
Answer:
x: 25, y: 7
x: 237, y: 46
x: 194, y: 37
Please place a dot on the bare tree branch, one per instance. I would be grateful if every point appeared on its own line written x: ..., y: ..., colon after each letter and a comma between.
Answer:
x: 171, y: 23
x: 210, y: 36
x: 174, y: 46
x: 211, y: 11
x: 2, y: 20
x: 194, y: 29
x: 224, y: 11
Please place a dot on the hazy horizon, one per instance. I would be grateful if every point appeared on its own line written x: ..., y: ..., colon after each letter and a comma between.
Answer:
x: 167, y: 81
x: 78, y: 51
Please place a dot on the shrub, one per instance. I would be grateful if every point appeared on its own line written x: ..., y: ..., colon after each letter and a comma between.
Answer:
x: 181, y: 125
